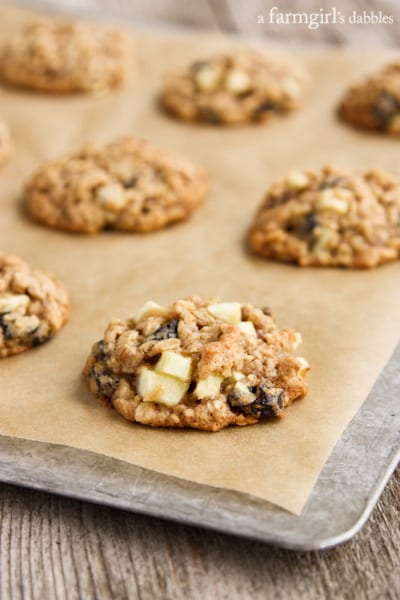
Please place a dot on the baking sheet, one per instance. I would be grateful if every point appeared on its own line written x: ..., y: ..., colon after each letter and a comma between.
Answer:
x: 341, y: 501
x: 349, y: 320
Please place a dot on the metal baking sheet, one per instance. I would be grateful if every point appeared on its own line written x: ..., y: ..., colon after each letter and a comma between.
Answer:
x: 343, y: 498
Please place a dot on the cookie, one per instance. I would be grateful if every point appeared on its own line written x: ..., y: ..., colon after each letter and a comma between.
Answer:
x: 54, y: 55
x: 375, y: 102
x: 33, y: 306
x: 5, y: 144
x: 330, y: 217
x: 128, y: 184
x: 228, y: 89
x: 198, y: 363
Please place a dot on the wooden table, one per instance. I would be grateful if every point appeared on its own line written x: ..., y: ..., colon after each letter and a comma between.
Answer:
x: 56, y: 548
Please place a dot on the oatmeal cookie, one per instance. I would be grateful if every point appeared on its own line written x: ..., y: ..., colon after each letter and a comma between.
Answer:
x: 33, y: 306
x: 330, y: 217
x: 5, y: 144
x: 240, y: 87
x: 54, y: 55
x: 128, y: 185
x: 204, y: 364
x: 375, y: 102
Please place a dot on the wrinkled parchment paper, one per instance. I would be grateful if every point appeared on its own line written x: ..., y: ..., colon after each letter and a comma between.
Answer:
x: 350, y: 320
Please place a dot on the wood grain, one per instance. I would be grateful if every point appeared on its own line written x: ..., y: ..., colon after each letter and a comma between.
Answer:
x: 57, y: 548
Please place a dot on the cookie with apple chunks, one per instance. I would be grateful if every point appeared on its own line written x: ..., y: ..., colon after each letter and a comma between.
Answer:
x: 62, y: 56
x: 329, y: 217
x: 374, y: 102
x: 33, y: 306
x: 128, y: 185
x: 204, y: 364
x: 234, y: 88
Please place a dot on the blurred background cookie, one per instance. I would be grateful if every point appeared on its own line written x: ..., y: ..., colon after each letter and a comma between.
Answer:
x: 238, y: 87
x: 128, y: 184
x: 330, y: 217
x: 374, y: 103
x: 57, y: 55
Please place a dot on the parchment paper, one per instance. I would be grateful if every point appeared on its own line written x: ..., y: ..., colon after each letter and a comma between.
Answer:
x: 350, y: 320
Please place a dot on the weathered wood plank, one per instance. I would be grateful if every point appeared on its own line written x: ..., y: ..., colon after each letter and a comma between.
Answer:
x: 53, y: 547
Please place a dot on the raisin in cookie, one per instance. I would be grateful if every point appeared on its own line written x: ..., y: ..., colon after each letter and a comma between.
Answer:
x: 330, y: 217
x: 33, y: 306
x: 196, y: 363
x: 65, y: 56
x: 5, y: 145
x: 128, y: 184
x: 375, y: 102
x: 234, y: 88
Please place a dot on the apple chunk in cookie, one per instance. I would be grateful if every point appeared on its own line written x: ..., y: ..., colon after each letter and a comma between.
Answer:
x: 204, y: 364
